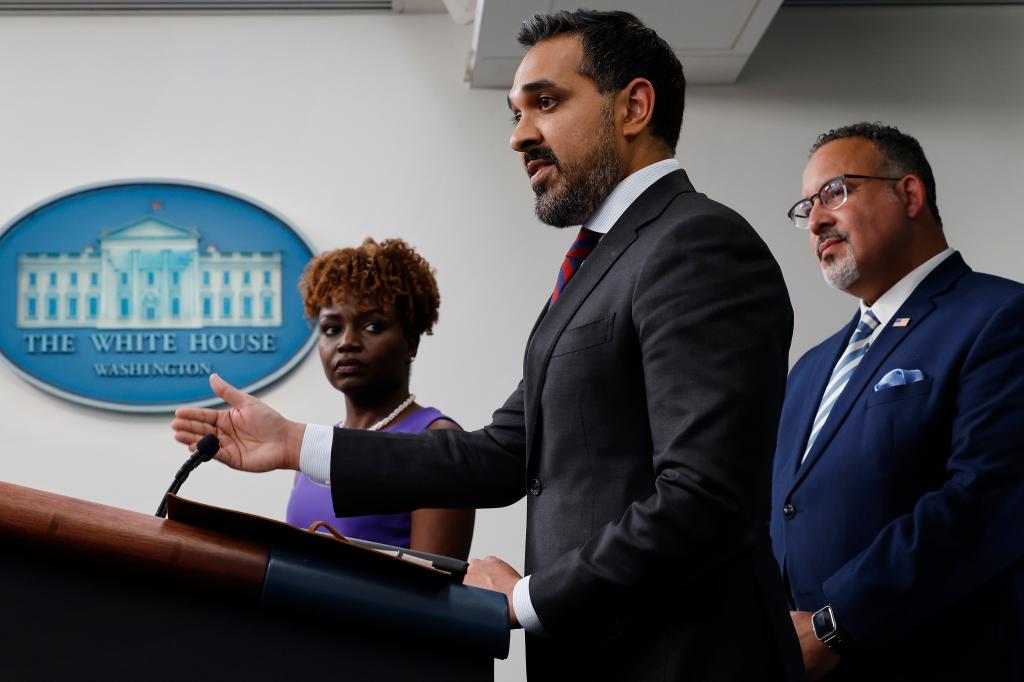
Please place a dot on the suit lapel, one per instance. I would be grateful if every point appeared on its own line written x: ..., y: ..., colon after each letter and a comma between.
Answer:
x: 552, y: 323
x: 533, y: 332
x: 819, y: 372
x: 917, y: 308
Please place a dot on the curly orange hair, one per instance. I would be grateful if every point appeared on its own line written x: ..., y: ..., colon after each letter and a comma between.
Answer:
x: 391, y: 273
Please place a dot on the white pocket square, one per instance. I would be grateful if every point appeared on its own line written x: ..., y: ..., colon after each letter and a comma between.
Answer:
x: 899, y: 377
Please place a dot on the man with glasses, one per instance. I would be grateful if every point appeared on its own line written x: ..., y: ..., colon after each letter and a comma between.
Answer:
x: 898, y: 483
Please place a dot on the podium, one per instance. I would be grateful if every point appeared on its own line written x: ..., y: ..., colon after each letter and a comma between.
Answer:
x: 95, y: 592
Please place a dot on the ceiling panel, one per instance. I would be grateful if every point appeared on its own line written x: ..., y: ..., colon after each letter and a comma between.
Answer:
x: 713, y: 38
x: 695, y: 25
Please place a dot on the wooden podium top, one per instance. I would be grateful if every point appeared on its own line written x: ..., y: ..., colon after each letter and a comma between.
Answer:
x: 131, y: 539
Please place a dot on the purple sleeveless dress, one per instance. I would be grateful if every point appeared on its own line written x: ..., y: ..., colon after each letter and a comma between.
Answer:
x: 310, y: 502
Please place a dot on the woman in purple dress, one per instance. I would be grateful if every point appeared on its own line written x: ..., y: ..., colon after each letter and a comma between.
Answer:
x: 372, y: 304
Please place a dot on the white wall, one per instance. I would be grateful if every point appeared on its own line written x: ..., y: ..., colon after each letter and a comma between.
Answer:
x: 949, y: 76
x: 361, y: 125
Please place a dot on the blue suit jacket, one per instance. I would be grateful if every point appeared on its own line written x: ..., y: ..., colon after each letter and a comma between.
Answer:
x: 908, y: 513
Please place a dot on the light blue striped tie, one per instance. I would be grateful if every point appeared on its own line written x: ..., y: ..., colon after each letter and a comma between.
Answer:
x: 848, y: 362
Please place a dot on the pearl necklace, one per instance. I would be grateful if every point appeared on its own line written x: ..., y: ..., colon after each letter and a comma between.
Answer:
x: 391, y: 417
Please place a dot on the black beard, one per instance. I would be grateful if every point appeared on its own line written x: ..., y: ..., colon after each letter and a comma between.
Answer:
x: 584, y: 185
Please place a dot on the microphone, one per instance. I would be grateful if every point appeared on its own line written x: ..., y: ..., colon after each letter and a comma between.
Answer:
x: 206, y: 448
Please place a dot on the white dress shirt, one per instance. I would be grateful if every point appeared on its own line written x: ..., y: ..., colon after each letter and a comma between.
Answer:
x: 891, y: 301
x: 626, y: 192
x: 315, y: 454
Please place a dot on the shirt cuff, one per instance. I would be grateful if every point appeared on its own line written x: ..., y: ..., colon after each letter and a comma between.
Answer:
x: 525, y: 614
x: 315, y: 454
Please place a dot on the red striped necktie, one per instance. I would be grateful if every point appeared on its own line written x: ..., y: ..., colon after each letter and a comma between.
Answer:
x: 585, y: 242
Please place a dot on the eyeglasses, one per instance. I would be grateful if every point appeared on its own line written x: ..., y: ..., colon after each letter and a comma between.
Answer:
x: 832, y: 195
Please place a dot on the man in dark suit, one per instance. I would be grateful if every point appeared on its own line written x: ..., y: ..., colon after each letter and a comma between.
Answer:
x: 898, y: 485
x: 643, y: 427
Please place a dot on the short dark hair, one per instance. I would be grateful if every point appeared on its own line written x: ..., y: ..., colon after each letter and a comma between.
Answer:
x: 902, y: 153
x: 618, y: 47
x: 390, y: 272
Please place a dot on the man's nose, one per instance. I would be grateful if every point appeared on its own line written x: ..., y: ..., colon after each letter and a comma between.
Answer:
x: 525, y: 135
x: 820, y: 218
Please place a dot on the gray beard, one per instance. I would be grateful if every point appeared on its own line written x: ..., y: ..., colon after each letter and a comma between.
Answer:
x: 585, y: 184
x: 842, y: 274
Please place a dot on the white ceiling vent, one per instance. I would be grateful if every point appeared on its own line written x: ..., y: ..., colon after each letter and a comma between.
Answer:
x: 713, y: 38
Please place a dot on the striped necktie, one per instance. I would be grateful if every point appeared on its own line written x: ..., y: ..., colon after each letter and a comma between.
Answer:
x: 844, y: 369
x: 585, y: 242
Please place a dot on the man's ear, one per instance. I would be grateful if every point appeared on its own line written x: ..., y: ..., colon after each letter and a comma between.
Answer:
x: 636, y: 101
x: 915, y: 196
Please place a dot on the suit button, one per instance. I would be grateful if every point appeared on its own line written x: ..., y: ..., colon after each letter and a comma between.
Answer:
x: 789, y: 511
x: 535, y: 486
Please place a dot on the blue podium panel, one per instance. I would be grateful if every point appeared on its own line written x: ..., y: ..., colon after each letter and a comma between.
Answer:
x: 66, y: 620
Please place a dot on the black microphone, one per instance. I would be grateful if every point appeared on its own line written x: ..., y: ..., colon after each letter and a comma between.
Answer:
x: 206, y: 448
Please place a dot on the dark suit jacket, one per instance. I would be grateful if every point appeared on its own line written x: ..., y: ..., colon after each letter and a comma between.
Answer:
x: 642, y: 435
x: 908, y: 513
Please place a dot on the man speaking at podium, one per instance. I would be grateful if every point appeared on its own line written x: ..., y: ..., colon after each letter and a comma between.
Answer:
x: 643, y: 429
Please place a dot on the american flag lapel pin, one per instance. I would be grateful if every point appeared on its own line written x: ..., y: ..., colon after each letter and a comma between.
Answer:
x: 901, y: 322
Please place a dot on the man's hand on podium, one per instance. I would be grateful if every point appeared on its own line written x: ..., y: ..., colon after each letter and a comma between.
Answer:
x: 253, y: 437
x: 491, y: 573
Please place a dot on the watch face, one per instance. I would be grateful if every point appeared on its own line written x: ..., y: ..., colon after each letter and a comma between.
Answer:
x: 823, y: 622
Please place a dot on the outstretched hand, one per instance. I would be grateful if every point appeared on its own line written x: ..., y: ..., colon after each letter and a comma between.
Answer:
x: 253, y: 436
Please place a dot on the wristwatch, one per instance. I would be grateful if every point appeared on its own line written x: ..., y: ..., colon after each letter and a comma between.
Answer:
x: 827, y: 630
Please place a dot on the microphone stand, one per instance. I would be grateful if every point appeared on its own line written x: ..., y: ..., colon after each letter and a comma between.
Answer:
x: 206, y: 448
